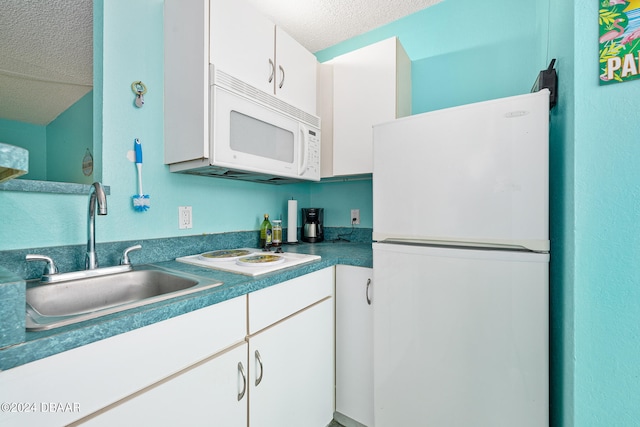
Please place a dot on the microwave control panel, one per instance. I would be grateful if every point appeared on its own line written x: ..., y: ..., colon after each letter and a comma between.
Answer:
x: 313, y: 161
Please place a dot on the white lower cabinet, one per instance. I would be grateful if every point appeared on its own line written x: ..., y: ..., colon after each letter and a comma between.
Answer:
x: 291, y: 352
x: 282, y: 374
x: 74, y: 386
x: 354, y: 346
x: 200, y: 368
x: 212, y: 392
x: 291, y: 371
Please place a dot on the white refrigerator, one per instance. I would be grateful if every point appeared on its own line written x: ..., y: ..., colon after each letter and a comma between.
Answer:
x: 461, y: 266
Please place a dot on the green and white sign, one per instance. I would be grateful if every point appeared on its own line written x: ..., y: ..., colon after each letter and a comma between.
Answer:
x: 619, y: 22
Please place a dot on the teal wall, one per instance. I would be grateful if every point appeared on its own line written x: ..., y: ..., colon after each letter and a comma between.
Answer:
x: 68, y: 138
x: 607, y: 238
x: 562, y: 217
x: 57, y: 149
x: 595, y: 208
x: 33, y: 138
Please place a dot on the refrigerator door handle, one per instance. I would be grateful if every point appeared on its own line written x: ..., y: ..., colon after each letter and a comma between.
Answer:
x: 534, y: 246
x: 367, y: 292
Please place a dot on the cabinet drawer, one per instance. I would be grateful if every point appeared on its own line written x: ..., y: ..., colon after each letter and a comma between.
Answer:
x: 268, y: 306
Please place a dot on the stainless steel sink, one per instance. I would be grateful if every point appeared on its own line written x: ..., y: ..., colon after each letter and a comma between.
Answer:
x: 78, y: 299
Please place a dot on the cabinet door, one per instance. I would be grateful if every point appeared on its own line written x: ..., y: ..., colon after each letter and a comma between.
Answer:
x: 354, y: 343
x: 242, y: 43
x: 366, y: 92
x: 101, y: 373
x: 296, y: 73
x: 212, y: 392
x: 291, y: 370
x: 186, y: 80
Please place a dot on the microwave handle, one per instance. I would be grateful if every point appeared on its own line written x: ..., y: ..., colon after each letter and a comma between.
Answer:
x: 304, y: 142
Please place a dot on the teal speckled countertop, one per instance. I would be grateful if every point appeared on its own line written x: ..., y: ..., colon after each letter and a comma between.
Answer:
x: 41, y: 344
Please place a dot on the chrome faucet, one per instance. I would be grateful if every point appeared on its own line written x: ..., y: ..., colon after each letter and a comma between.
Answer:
x: 96, y: 195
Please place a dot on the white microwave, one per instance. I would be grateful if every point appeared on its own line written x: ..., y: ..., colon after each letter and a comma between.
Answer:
x: 257, y: 137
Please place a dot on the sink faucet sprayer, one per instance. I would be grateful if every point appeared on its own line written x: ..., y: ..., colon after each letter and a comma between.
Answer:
x: 96, y: 194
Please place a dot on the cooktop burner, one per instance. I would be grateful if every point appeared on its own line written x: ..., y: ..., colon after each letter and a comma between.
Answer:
x: 248, y: 261
x: 225, y: 254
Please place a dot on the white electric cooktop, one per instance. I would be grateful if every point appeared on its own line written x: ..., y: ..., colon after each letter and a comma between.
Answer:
x: 248, y: 261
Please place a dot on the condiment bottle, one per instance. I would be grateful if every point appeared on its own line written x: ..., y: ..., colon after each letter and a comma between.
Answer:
x: 276, y: 237
x: 265, y: 233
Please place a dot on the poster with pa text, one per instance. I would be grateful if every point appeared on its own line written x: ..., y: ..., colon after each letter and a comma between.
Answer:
x: 619, y: 22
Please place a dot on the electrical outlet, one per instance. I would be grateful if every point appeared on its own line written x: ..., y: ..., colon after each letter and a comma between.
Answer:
x: 185, y: 217
x: 355, y: 216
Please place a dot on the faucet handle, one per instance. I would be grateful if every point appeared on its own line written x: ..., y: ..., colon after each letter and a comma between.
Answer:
x: 125, y: 256
x: 49, y: 269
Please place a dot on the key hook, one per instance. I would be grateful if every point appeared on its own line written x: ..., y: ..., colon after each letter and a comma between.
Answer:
x: 139, y: 89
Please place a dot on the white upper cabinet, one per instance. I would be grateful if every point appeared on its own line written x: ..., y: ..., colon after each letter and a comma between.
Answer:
x: 186, y: 80
x: 295, y: 73
x: 249, y: 47
x: 242, y: 43
x: 238, y: 41
x: 359, y: 89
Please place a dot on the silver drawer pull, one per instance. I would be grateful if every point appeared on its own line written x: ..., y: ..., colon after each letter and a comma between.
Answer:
x: 259, y: 360
x: 282, y: 80
x: 244, y: 381
x: 272, y: 66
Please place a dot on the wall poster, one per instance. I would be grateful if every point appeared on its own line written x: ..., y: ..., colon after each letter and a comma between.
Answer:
x: 619, y: 40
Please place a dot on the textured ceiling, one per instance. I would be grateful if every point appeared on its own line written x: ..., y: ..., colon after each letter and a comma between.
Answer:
x: 318, y: 24
x: 46, y: 46
x: 46, y: 57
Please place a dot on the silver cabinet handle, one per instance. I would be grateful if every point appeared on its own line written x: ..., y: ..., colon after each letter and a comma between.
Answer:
x: 259, y: 360
x: 281, y: 80
x: 244, y: 381
x: 367, y: 291
x: 273, y: 70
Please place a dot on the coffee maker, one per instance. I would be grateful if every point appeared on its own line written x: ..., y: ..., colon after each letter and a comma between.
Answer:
x: 312, y: 229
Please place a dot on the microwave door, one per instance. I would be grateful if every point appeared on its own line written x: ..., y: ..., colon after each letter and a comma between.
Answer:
x: 261, y: 139
x: 249, y: 136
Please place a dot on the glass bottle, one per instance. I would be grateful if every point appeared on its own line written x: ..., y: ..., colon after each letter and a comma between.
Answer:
x: 265, y: 233
x: 276, y: 236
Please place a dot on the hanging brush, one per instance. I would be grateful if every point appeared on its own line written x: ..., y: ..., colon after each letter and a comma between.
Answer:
x: 140, y: 201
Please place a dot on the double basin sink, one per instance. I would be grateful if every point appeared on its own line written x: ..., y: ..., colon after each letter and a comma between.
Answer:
x: 74, y: 297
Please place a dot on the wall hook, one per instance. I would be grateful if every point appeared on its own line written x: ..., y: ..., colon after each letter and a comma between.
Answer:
x: 139, y: 89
